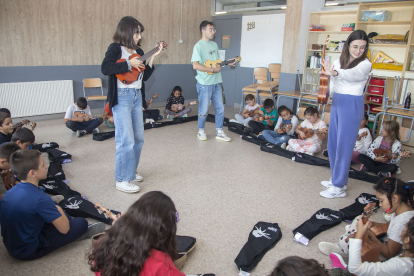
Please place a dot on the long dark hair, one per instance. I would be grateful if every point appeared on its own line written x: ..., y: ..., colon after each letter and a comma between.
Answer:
x: 410, y: 234
x: 124, y: 34
x: 297, y: 266
x: 150, y: 223
x: 390, y: 186
x: 344, y: 59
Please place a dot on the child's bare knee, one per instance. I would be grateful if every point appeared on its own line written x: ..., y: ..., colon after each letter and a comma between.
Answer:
x: 202, y: 115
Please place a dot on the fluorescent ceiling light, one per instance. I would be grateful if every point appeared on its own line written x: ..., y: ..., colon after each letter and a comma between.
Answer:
x: 331, y: 4
x: 283, y: 8
x: 221, y: 12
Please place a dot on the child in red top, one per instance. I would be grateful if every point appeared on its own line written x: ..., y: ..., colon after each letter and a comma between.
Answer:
x: 108, y: 116
x: 142, y: 240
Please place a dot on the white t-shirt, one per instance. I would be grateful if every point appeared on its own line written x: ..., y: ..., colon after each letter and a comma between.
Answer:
x: 362, y: 145
x: 250, y: 108
x: 318, y: 125
x: 397, y: 225
x: 73, y: 108
x: 136, y: 84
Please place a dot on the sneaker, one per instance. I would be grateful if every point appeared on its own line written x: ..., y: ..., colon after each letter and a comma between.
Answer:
x: 338, y: 261
x: 328, y: 248
x: 325, y: 153
x: 289, y: 148
x: 398, y: 171
x: 170, y: 117
x: 222, y: 136
x: 363, y: 168
x: 233, y: 121
x: 127, y: 187
x: 333, y: 192
x: 246, y: 124
x: 309, y: 153
x: 93, y: 229
x: 384, y: 174
x: 80, y: 133
x: 96, y: 130
x: 160, y: 117
x: 328, y: 184
x: 202, y: 135
x: 283, y: 146
x: 57, y: 198
x: 149, y: 121
x: 185, y: 115
x: 138, y: 177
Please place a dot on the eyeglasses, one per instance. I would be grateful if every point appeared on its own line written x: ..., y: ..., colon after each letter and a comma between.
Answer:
x: 212, y: 30
x: 139, y: 33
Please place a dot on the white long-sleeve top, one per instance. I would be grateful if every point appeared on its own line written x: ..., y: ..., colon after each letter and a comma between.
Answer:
x: 363, y: 144
x: 350, y: 81
x: 395, y: 148
x: 395, y: 266
x: 293, y: 119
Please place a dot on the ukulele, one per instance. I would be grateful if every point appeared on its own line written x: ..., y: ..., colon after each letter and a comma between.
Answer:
x: 151, y: 99
x: 362, y: 135
x: 388, y: 154
x: 81, y: 114
x: 309, y: 132
x: 20, y: 124
x: 131, y: 76
x: 8, y: 179
x: 283, y: 127
x: 181, y: 106
x: 103, y: 210
x: 250, y: 113
x: 219, y: 62
x: 262, y: 118
x: 324, y: 93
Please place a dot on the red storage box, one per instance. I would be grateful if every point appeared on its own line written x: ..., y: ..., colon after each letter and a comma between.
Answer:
x: 380, y: 82
x: 376, y: 90
x: 374, y: 99
x: 347, y: 29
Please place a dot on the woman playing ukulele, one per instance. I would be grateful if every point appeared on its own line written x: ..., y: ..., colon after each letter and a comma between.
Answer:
x: 125, y: 100
x: 348, y: 77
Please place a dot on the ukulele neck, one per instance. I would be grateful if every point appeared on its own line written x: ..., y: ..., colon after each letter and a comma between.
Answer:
x: 226, y: 62
x: 149, y: 54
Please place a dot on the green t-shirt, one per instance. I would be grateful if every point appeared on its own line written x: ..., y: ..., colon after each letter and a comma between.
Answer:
x: 206, y: 50
x: 273, y: 113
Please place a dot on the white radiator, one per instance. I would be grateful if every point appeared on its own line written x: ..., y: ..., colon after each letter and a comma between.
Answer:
x: 36, y: 98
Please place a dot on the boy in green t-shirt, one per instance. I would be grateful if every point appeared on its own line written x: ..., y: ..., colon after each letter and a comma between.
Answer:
x: 269, y: 117
x: 208, y: 81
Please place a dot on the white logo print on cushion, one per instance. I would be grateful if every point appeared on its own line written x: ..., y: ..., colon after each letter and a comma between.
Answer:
x: 50, y: 187
x: 46, y: 146
x: 270, y: 145
x: 272, y: 229
x: 364, y: 200
x: 259, y: 233
x: 322, y: 216
x: 74, y: 205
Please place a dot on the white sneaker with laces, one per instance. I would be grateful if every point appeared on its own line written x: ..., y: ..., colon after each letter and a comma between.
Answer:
x: 202, y: 135
x: 222, y: 136
x: 283, y: 146
x: 398, y: 170
x: 328, y: 248
x: 289, y: 148
x: 127, y: 187
x: 328, y: 184
x: 333, y: 192
x: 96, y: 130
x: 233, y: 121
x: 138, y: 177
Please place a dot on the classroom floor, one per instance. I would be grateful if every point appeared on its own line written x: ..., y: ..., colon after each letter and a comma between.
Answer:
x: 220, y: 189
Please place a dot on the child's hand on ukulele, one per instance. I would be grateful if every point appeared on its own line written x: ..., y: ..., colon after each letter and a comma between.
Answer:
x: 302, y: 134
x: 381, y: 159
x: 362, y: 228
x: 394, y: 156
x: 246, y: 115
x: 281, y: 131
x: 136, y: 63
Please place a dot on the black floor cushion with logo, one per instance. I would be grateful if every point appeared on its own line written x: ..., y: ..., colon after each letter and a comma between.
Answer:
x: 56, y: 186
x: 253, y: 139
x: 56, y: 170
x: 181, y: 120
x: 322, y: 220
x: 272, y: 148
x: 77, y: 206
x: 356, y: 208
x: 58, y: 156
x: 363, y: 176
x: 311, y: 160
x: 262, y: 238
x: 45, y: 146
x: 236, y: 128
x: 102, y: 136
x: 212, y: 119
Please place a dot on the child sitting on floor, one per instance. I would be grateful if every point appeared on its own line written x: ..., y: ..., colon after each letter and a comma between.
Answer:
x: 267, y: 117
x: 6, y: 127
x: 284, y: 129
x: 151, y: 114
x: 298, y: 266
x: 108, y: 116
x: 32, y: 224
x: 396, y: 198
x: 175, y: 105
x: 248, y: 113
x: 23, y: 137
x: 6, y: 150
x: 83, y: 124
x: 384, y: 166
x: 150, y: 226
x: 317, y: 127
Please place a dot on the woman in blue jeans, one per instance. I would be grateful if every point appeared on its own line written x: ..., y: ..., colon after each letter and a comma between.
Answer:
x: 125, y: 100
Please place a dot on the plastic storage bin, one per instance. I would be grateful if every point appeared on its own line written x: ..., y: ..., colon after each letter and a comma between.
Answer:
x: 376, y: 90
x: 381, y: 15
x: 380, y: 82
x: 375, y: 99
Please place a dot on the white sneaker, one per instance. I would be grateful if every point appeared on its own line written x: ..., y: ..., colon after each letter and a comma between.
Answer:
x: 222, y: 136
x: 202, y: 135
x: 246, y: 124
x: 283, y: 146
x: 398, y: 170
x: 233, y: 121
x: 127, y: 187
x: 184, y: 116
x: 328, y: 248
x: 328, y: 184
x: 289, y: 148
x: 96, y: 130
x: 138, y: 177
x: 333, y: 192
x: 309, y: 153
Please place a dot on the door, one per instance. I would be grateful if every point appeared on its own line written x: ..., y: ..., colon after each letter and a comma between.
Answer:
x: 229, y: 27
